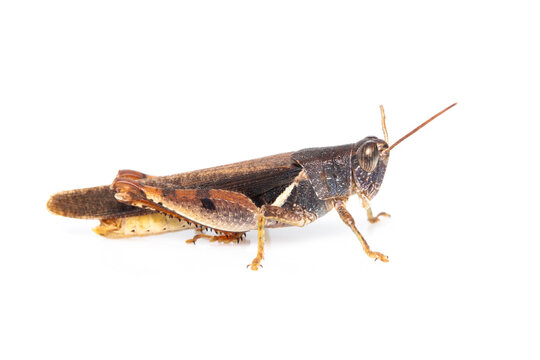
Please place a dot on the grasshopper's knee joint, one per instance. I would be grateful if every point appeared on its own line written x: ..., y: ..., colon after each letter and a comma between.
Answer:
x: 131, y: 174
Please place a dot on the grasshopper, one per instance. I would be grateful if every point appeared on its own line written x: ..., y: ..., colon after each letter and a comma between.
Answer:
x: 289, y: 189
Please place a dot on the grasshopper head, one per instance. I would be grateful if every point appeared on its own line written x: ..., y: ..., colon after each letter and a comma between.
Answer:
x: 371, y: 157
x: 369, y: 161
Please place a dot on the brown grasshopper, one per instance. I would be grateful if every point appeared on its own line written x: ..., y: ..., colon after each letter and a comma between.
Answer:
x: 290, y: 189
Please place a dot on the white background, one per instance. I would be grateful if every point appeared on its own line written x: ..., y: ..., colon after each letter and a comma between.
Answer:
x: 88, y: 88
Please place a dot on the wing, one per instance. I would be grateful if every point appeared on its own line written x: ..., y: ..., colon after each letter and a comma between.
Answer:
x: 91, y: 203
x: 262, y: 180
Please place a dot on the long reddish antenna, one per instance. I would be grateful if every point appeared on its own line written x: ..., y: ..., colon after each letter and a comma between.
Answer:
x: 419, y: 127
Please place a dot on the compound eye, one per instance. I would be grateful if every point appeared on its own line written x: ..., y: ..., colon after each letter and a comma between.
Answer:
x: 368, y: 156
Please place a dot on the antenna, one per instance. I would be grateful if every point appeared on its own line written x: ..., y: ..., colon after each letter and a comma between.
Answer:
x: 416, y: 128
x: 383, y: 119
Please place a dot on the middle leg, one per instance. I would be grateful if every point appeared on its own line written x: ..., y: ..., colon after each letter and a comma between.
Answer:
x: 296, y: 217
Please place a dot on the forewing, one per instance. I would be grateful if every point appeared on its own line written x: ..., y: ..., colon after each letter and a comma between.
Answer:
x: 91, y: 203
x: 258, y: 179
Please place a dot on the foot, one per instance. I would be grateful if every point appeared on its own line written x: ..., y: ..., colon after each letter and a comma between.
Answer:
x: 375, y: 219
x: 255, y: 264
x: 377, y: 256
x: 226, y: 239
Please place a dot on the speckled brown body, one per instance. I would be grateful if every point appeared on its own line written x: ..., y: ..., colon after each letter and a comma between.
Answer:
x: 290, y: 189
x: 225, y: 198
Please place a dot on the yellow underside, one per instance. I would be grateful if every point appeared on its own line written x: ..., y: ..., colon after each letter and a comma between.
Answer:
x: 143, y: 225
